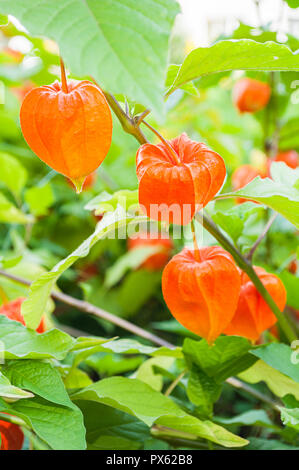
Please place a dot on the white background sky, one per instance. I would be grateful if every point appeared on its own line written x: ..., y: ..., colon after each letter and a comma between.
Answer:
x: 196, y: 13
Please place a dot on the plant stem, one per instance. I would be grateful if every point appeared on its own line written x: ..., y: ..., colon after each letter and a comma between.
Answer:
x: 128, y: 124
x: 167, y: 144
x: 196, y: 249
x: 63, y: 77
x: 175, y: 383
x: 261, y: 237
x: 86, y: 307
x: 246, y: 266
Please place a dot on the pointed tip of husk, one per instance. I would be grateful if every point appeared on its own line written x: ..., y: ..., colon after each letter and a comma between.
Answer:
x: 78, y: 183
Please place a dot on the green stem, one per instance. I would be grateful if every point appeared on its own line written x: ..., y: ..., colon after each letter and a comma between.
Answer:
x: 246, y: 266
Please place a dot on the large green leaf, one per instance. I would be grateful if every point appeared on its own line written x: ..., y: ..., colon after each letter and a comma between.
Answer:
x: 39, y: 377
x: 125, y: 346
x: 115, y: 430
x: 227, y: 356
x: 60, y: 427
x: 243, y: 54
x: 18, y: 342
x: 290, y: 417
x: 277, y: 382
x: 34, y: 307
x: 123, y: 44
x: 279, y: 356
x: 248, y: 418
x: 280, y: 193
x: 7, y: 390
x: 292, y: 3
x: 138, y: 399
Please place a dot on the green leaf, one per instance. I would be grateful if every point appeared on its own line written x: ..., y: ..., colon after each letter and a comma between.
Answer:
x: 243, y: 54
x: 290, y: 417
x: 34, y: 307
x: 138, y: 399
x: 9, y: 213
x: 281, y: 197
x: 114, y: 430
x: 277, y: 382
x: 122, y: 44
x: 268, y: 444
x: 130, y: 260
x: 171, y: 76
x: 12, y: 173
x: 292, y: 3
x: 59, y: 426
x: 41, y: 378
x: 7, y: 390
x: 146, y: 372
x: 203, y: 391
x: 108, y: 364
x: 279, y: 356
x: 18, y: 342
x: 106, y: 202
x: 39, y: 199
x: 248, y: 418
x: 226, y: 357
x: 126, y: 346
x: 233, y: 221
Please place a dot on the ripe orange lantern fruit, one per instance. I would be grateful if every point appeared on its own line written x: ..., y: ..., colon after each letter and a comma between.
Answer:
x: 156, y: 261
x: 253, y: 315
x: 251, y: 95
x: 12, y: 310
x: 68, y: 126
x: 201, y: 289
x: 177, y: 178
x: 12, y: 436
x: 242, y: 176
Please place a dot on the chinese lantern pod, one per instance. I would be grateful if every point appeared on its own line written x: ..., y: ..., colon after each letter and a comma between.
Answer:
x: 253, y: 315
x: 201, y: 290
x: 251, y: 95
x: 12, y: 436
x: 12, y: 310
x: 71, y: 132
x: 158, y: 260
x: 172, y: 190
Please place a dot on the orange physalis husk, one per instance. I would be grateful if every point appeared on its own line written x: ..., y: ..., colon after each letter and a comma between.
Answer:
x: 88, y: 183
x: 187, y: 182
x: 158, y: 260
x: 201, y: 289
x: 290, y: 158
x: 253, y: 315
x: 71, y: 132
x: 243, y: 175
x: 251, y: 95
x: 12, y: 310
x: 12, y: 436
